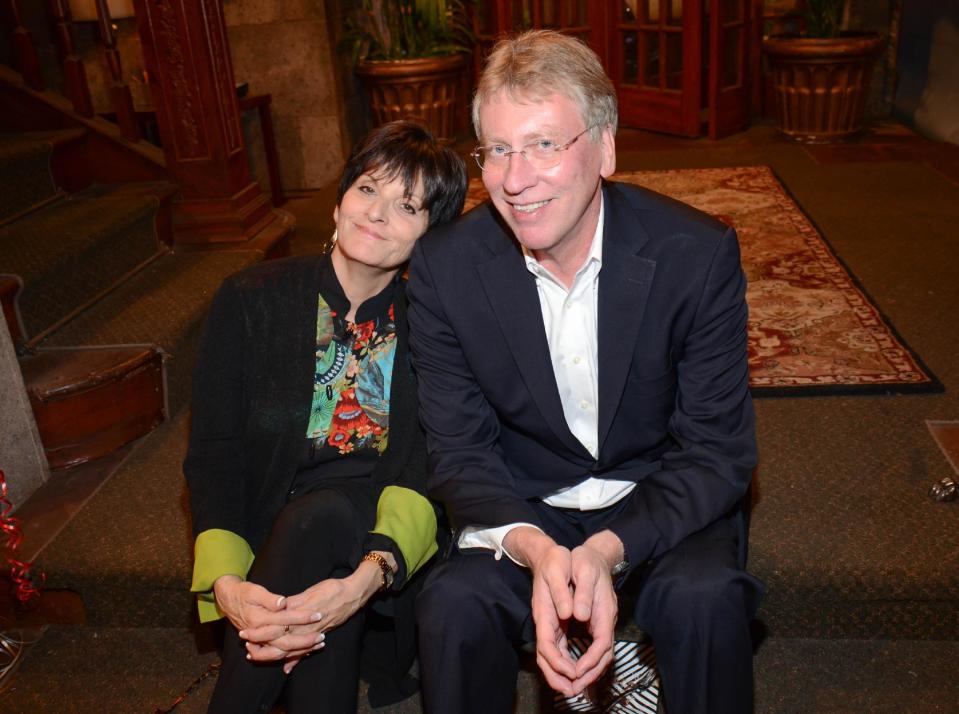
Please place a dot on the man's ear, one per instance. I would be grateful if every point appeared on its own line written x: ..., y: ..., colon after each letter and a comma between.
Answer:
x: 608, y: 141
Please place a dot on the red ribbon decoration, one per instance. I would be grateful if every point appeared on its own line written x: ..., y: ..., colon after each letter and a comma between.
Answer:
x: 20, y: 571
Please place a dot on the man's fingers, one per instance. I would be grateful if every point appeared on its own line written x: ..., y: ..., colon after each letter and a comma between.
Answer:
x: 590, y: 676
x: 583, y: 597
x: 598, y: 650
x: 557, y: 655
x: 560, y: 595
x: 560, y: 683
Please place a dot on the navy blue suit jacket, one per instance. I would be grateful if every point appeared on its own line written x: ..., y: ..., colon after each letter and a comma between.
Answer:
x: 675, y: 413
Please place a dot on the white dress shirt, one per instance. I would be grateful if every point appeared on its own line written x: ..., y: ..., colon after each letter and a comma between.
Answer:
x: 569, y: 317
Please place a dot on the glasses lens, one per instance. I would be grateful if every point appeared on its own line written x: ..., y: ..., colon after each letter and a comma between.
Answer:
x: 543, y: 158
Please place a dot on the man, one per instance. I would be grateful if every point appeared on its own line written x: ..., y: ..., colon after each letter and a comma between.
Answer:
x: 581, y: 351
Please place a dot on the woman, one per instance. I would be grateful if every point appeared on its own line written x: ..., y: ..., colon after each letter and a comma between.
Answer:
x: 306, y: 464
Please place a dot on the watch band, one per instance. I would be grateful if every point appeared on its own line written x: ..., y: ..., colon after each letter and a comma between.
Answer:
x: 385, y: 568
x: 620, y: 567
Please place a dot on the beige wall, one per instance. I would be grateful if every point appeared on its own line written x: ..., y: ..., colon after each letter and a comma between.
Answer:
x: 283, y: 47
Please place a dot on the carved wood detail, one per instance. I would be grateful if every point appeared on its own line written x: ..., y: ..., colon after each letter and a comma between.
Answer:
x: 223, y: 73
x: 177, y: 91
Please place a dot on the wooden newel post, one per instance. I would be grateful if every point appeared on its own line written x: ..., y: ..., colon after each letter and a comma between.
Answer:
x: 187, y: 56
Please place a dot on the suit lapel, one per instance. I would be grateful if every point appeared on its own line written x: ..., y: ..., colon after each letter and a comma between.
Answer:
x: 624, y: 284
x: 511, y: 291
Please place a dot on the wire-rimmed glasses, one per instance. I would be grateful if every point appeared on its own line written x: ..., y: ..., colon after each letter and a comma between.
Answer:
x: 540, y: 154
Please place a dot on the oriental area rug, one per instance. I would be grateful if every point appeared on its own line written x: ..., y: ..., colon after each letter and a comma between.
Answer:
x: 812, y: 328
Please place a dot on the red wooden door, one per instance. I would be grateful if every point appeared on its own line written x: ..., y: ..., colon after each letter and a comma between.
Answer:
x: 659, y: 54
x: 729, y: 40
x: 654, y: 58
x: 579, y: 18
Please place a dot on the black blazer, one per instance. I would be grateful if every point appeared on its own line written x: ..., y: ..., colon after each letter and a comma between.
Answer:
x: 675, y: 413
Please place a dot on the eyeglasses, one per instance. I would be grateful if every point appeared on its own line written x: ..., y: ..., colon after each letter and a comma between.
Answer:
x: 540, y: 154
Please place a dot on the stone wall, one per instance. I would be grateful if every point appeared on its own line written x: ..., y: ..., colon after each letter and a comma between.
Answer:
x: 284, y: 48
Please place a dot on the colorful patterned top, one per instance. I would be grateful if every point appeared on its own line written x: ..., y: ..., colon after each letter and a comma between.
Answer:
x: 350, y: 413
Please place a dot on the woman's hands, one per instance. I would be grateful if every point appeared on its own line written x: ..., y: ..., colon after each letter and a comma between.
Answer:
x: 248, y: 605
x: 277, y: 628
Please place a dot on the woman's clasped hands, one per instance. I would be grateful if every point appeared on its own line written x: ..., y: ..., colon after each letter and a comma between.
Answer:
x: 271, y: 628
x: 276, y: 628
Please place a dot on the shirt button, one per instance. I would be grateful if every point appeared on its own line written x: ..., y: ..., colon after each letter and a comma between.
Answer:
x: 568, y: 304
x: 576, y: 360
x: 584, y: 405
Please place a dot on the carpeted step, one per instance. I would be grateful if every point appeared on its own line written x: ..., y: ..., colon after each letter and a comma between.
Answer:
x: 26, y: 181
x: 128, y: 552
x: 72, y: 251
x: 163, y: 305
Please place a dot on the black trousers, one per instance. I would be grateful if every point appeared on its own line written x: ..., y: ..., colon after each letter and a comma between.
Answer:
x: 694, y: 601
x: 316, y: 536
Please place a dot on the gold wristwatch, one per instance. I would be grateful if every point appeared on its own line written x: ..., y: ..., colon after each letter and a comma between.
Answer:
x: 384, y: 568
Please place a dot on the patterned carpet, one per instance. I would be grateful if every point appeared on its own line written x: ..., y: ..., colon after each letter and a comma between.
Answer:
x: 812, y: 328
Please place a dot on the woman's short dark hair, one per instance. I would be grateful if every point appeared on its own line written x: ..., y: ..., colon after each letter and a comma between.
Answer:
x: 409, y: 151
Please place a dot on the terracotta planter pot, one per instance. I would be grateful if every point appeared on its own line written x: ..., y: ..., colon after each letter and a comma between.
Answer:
x: 428, y: 89
x: 820, y: 86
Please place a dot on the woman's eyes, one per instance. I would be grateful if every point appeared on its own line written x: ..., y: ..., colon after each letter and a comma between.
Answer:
x: 404, y: 206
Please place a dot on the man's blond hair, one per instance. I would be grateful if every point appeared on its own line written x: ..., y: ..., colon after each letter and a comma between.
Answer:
x: 539, y: 63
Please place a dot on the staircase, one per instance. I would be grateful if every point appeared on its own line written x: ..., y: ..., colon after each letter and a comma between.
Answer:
x: 99, y: 301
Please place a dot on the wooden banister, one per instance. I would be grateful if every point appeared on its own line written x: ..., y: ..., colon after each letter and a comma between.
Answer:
x: 74, y: 73
x: 25, y: 57
x: 120, y: 95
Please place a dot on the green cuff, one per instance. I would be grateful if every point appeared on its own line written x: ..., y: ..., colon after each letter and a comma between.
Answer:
x: 217, y: 552
x: 408, y: 519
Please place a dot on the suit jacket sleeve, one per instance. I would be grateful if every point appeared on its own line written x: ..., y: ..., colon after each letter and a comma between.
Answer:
x: 706, y: 474
x: 467, y: 472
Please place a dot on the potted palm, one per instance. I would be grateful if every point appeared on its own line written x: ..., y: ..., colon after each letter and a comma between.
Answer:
x: 410, y: 55
x: 821, y: 78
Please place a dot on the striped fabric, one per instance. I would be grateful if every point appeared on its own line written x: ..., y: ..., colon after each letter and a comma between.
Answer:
x: 630, y: 687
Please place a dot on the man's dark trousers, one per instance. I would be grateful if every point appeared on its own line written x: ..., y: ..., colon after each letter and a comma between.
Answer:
x: 695, y: 601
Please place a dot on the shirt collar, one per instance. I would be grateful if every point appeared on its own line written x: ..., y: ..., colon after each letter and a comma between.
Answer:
x: 595, y: 256
x: 372, y: 308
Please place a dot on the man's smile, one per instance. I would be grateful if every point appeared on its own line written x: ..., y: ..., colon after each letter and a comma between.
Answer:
x: 529, y: 207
